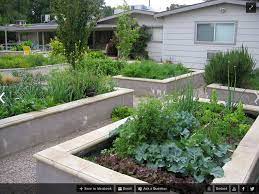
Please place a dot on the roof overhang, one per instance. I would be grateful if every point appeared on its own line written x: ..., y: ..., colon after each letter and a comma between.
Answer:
x: 29, y: 28
x: 48, y: 28
x: 199, y: 6
x: 151, y: 13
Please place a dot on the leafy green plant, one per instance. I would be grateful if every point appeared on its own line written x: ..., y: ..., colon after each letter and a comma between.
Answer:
x: 224, y: 68
x: 184, y: 137
x: 28, y: 61
x: 57, y: 48
x: 253, y: 81
x: 102, y: 66
x: 121, y: 112
x: 70, y: 85
x: 27, y: 95
x: 138, y: 50
x: 127, y: 33
x: 196, y: 161
x: 153, y: 70
x: 96, y: 55
x: 25, y: 92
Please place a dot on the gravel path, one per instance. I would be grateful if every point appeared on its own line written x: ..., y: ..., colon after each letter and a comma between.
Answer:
x: 21, y: 167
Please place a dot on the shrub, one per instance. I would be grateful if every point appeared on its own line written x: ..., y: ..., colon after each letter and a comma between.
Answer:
x: 19, y: 47
x: 102, y: 66
x: 121, y: 112
x: 96, y: 55
x: 27, y: 61
x: 27, y: 43
x: 153, y: 70
x: 138, y: 50
x: 232, y: 68
x: 57, y: 47
x: 70, y: 85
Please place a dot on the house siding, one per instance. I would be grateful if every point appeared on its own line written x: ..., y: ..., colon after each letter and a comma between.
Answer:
x: 154, y: 48
x: 179, y: 34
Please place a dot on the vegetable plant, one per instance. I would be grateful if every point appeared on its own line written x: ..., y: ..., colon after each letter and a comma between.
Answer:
x: 180, y: 137
x: 153, y: 70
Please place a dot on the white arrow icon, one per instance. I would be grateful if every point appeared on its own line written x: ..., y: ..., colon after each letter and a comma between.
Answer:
x: 1, y: 98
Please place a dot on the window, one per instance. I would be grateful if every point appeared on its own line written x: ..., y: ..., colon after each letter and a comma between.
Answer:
x: 157, y: 34
x: 216, y: 32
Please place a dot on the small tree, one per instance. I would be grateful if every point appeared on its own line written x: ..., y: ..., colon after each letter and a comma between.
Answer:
x: 127, y: 33
x: 76, y: 20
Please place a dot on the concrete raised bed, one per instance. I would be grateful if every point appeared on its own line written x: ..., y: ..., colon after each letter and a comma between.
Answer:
x: 60, y: 164
x: 29, y: 129
x: 157, y: 88
x: 247, y: 96
x: 44, y: 70
x: 13, y: 53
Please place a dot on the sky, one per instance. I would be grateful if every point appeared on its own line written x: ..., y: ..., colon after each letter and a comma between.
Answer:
x: 157, y: 5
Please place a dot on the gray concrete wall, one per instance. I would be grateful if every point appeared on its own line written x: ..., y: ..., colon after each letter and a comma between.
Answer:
x: 44, y: 70
x: 26, y: 130
x: 158, y: 88
x: 13, y: 53
x: 247, y: 96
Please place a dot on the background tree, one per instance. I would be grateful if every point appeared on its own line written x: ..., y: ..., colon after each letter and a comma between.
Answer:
x: 174, y: 6
x: 13, y: 10
x: 127, y: 33
x: 76, y: 20
x: 37, y: 9
x: 107, y: 11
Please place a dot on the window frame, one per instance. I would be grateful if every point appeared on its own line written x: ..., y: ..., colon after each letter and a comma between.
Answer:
x: 196, y: 41
x: 157, y: 27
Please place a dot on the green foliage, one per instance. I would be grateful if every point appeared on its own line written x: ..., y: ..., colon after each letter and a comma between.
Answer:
x: 57, y: 48
x: 127, y: 33
x: 107, y: 11
x: 153, y: 70
x: 28, y: 61
x: 182, y: 135
x: 96, y: 55
x: 102, y: 66
x: 76, y: 20
x: 25, y: 96
x: 232, y: 67
x: 31, y: 92
x: 201, y: 162
x: 19, y: 47
x: 138, y: 50
x: 14, y: 10
x: 253, y: 81
x: 70, y: 85
x: 121, y: 112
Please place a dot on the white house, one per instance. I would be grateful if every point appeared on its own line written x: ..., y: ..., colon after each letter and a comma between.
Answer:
x: 191, y: 34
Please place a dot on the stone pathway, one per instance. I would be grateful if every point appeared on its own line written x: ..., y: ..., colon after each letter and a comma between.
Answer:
x: 21, y: 167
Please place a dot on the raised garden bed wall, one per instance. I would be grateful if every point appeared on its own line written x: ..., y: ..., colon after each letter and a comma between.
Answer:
x: 61, y: 164
x: 29, y: 129
x: 43, y: 70
x: 247, y: 96
x: 12, y: 53
x: 158, y: 88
